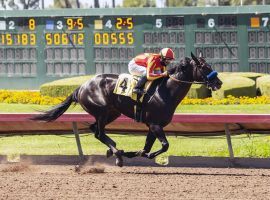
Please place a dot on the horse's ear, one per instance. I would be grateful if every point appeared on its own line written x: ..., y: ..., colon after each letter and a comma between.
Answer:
x: 192, y: 55
x: 195, y: 59
x: 200, y: 55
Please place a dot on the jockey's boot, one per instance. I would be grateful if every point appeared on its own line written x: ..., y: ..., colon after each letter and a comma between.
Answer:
x: 139, y: 87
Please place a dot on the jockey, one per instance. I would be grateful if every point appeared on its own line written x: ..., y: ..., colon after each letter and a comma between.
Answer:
x: 150, y: 66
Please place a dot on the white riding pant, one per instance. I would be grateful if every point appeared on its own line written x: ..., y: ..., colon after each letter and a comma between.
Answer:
x: 136, y: 69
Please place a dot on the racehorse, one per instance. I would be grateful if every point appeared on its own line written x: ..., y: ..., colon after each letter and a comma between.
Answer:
x: 97, y: 98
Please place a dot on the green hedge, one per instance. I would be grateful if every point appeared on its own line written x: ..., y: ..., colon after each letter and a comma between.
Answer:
x: 236, y: 86
x: 263, y: 85
x: 63, y: 87
x: 251, y: 75
x: 198, y: 92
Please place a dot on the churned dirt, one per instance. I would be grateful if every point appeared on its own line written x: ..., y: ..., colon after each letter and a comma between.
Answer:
x: 25, y: 181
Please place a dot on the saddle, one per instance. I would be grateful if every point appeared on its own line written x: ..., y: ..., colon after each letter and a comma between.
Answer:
x: 124, y: 87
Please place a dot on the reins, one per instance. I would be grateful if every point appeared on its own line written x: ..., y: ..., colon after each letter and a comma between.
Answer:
x: 192, y: 82
x: 205, y: 77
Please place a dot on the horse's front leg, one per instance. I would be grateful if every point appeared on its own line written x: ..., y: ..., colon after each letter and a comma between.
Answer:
x: 150, y: 140
x: 159, y: 133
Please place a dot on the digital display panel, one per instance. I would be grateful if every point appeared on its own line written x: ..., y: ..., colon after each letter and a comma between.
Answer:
x: 113, y: 40
x: 258, y: 43
x: 51, y: 46
x: 165, y: 31
x: 64, y: 39
x: 174, y: 22
x: 66, y: 31
x: 18, y: 42
x: 65, y: 44
x: 117, y: 31
x: 18, y: 32
x: 217, y: 38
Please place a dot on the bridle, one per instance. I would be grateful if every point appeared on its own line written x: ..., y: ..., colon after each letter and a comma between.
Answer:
x: 206, y: 78
x: 180, y: 81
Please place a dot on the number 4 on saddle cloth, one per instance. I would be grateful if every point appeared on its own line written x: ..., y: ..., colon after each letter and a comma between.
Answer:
x: 125, y: 85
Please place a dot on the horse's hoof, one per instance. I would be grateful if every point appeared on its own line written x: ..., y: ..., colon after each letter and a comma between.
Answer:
x: 119, y: 162
x: 119, y: 153
x: 109, y: 153
x: 77, y: 168
x: 119, y: 159
x: 150, y: 156
x: 141, y: 153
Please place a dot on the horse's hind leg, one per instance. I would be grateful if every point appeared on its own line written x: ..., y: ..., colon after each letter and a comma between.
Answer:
x: 109, y: 118
x: 100, y: 134
x: 94, y: 128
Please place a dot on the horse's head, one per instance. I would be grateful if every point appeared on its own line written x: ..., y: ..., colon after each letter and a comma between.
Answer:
x: 196, y: 70
x: 203, y: 72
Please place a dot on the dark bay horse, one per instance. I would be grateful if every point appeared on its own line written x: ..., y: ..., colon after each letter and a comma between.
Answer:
x: 97, y: 98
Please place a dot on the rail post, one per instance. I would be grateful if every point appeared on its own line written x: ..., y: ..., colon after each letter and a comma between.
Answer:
x: 79, y: 146
x: 229, y: 141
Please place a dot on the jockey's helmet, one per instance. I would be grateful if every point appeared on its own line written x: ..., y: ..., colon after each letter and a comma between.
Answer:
x: 167, y: 55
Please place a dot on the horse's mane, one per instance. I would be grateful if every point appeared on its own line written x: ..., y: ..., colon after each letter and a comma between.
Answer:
x: 184, y: 62
x: 158, y: 83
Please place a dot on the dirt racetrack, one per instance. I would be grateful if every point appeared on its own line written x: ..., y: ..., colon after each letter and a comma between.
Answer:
x: 22, y: 181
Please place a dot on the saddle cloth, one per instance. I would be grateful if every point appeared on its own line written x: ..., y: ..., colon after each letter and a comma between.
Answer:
x: 125, y: 85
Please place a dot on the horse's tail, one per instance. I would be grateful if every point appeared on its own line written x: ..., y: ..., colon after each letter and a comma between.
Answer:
x: 58, y: 110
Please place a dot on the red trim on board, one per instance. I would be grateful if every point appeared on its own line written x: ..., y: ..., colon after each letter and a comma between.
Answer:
x: 177, y: 118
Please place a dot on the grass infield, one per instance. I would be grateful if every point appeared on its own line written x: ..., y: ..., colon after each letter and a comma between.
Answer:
x: 243, y: 145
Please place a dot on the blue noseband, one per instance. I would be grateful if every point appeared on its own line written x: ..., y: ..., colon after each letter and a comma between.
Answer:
x: 212, y: 75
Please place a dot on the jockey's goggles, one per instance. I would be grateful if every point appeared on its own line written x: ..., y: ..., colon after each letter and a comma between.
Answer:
x: 167, y: 60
